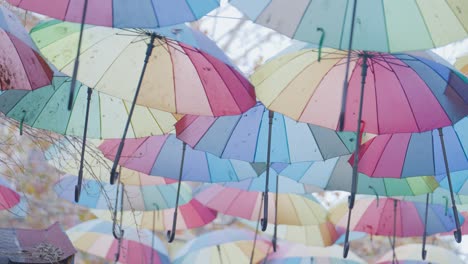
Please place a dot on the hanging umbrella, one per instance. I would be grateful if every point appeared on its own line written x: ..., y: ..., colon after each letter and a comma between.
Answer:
x: 137, y: 246
x: 230, y: 245
x: 192, y: 215
x: 8, y: 197
x: 386, y: 26
x: 390, y: 217
x: 301, y: 254
x: 187, y: 72
x: 409, y: 252
x: 113, y: 13
x: 46, y: 108
x: 100, y: 195
x: 462, y: 64
x: 21, y: 65
x: 336, y: 175
x: 261, y: 136
x: 167, y: 156
x: 428, y: 95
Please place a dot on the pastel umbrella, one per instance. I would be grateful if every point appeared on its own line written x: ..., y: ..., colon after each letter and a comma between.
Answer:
x: 113, y: 13
x: 288, y: 209
x: 9, y: 198
x: 462, y: 64
x: 21, y: 65
x: 290, y: 253
x: 409, y: 253
x: 260, y: 135
x: 390, y: 217
x: 229, y: 245
x: 429, y: 95
x: 137, y: 246
x: 167, y: 156
x: 371, y: 25
x: 101, y: 195
x: 193, y: 214
x: 46, y: 108
x: 336, y: 175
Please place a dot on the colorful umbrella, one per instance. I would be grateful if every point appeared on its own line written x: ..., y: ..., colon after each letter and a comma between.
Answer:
x: 8, y: 197
x: 336, y: 175
x: 301, y: 254
x: 391, y: 217
x: 137, y: 246
x: 386, y: 26
x: 193, y: 214
x: 229, y: 245
x: 101, y: 195
x: 428, y: 94
x: 21, y: 65
x: 46, y: 108
x: 462, y: 64
x: 409, y: 253
x: 259, y: 136
x: 113, y: 13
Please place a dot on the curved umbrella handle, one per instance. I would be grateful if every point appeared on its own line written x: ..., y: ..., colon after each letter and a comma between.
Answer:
x: 118, y: 235
x: 171, y: 233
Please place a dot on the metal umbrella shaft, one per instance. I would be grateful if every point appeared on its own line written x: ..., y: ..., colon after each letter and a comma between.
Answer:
x: 83, y: 148
x: 264, y: 220
x: 354, y: 182
x: 275, y: 232
x: 118, y: 235
x: 218, y: 247
x: 424, y: 251
x: 113, y: 174
x: 457, y: 233
x: 345, y: 84
x: 171, y: 233
x: 256, y: 230
x: 77, y: 57
x: 394, y: 230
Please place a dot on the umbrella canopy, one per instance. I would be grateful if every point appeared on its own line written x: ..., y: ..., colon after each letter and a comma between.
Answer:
x: 335, y: 175
x: 292, y: 209
x: 21, y: 65
x: 415, y: 154
x: 377, y: 217
x: 114, y: 13
x: 229, y: 245
x: 320, y: 235
x: 102, y: 195
x: 46, y: 108
x: 179, y: 78
x: 428, y: 95
x: 410, y: 252
x: 137, y: 246
x: 386, y: 26
x: 191, y: 215
x: 462, y: 64
x: 245, y: 137
x: 8, y: 197
x: 161, y: 156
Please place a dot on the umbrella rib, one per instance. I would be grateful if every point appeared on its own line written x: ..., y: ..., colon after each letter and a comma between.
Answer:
x: 23, y: 68
x: 425, y: 24
x: 458, y: 19
x: 286, y: 141
x: 45, y: 105
x: 230, y: 134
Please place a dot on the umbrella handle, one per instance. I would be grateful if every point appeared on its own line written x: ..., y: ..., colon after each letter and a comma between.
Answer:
x: 264, y: 223
x: 345, y: 249
x: 171, y: 233
x: 114, y: 175
x: 264, y: 220
x: 77, y: 193
x: 273, y: 241
x: 424, y: 253
x: 118, y: 236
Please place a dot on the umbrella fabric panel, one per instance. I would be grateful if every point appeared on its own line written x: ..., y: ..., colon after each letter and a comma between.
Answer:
x: 425, y: 99
x: 422, y: 24
x: 121, y: 14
